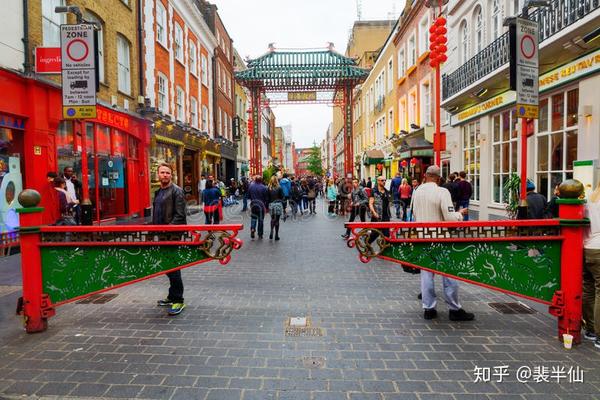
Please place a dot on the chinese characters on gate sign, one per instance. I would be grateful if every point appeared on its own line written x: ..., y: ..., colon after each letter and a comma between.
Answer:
x: 526, y: 374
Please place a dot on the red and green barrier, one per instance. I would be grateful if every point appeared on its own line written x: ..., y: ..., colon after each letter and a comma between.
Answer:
x: 540, y: 260
x: 61, y: 264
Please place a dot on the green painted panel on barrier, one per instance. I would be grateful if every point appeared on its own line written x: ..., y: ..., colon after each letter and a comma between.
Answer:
x: 69, y: 272
x: 531, y: 268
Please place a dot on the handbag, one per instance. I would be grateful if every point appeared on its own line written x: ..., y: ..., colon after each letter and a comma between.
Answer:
x: 311, y: 194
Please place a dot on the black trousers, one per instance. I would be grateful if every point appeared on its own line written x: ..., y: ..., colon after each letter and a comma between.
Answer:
x: 176, y: 288
x: 360, y: 211
x: 212, y: 217
x: 385, y: 232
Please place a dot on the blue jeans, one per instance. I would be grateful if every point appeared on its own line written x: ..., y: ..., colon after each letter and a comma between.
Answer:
x: 257, y: 217
x: 245, y: 202
x: 428, y: 291
x: 464, y: 204
x: 397, y: 203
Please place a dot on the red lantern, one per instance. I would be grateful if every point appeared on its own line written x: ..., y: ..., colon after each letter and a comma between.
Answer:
x: 440, y: 21
x: 442, y: 58
x: 403, y: 163
x: 441, y: 48
x: 441, y: 30
x: 413, y: 161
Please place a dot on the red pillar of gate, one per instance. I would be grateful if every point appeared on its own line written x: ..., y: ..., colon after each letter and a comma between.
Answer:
x: 255, y: 138
x: 33, y: 306
x: 571, y: 213
x: 348, y: 147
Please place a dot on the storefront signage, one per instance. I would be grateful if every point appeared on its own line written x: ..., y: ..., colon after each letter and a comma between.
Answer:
x: 47, y: 60
x: 236, y: 128
x: 573, y: 70
x: 8, y: 121
x: 78, y: 59
x: 494, y: 103
x: 116, y: 120
x: 526, y: 68
x: 302, y: 96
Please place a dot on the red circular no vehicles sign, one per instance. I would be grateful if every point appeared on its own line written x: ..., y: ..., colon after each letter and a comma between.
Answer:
x: 77, y: 50
x: 527, y: 46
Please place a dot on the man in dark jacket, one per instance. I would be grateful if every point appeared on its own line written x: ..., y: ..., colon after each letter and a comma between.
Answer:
x: 259, y: 198
x: 169, y: 209
x: 394, y: 186
x: 465, y: 191
x: 536, y: 203
x: 452, y: 187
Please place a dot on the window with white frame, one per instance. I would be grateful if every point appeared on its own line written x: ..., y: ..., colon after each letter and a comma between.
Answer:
x: 412, y: 51
x: 193, y: 58
x: 390, y: 127
x: 178, y: 42
x: 123, y: 65
x: 496, y: 13
x: 412, y: 108
x: 204, y: 118
x: 556, y: 140
x: 51, y: 22
x: 179, y: 104
x: 401, y: 63
x: 194, y: 112
x: 161, y: 23
x: 390, y: 75
x: 471, y: 155
x: 478, y: 21
x: 204, y: 65
x: 424, y: 34
x: 504, y: 152
x: 426, y: 103
x: 402, y: 114
x: 162, y: 101
x: 93, y: 18
x: 464, y: 42
x: 517, y: 7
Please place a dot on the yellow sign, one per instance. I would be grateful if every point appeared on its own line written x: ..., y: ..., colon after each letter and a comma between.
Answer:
x: 489, y: 105
x: 527, y: 111
x: 79, y: 112
x: 302, y: 96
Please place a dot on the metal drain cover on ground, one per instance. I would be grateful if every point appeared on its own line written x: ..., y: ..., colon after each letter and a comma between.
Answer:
x: 511, y: 308
x: 313, y: 362
x: 295, y: 329
x: 101, y: 298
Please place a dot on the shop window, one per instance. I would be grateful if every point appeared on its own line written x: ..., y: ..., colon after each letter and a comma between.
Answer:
x: 132, y: 148
x: 504, y: 152
x: 102, y: 140
x: 119, y: 143
x: 160, y: 153
x: 471, y: 155
x: 51, y: 22
x: 557, y: 147
x: 11, y: 177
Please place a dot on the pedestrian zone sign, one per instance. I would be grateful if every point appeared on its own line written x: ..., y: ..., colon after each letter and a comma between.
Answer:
x: 527, y: 82
x: 78, y: 53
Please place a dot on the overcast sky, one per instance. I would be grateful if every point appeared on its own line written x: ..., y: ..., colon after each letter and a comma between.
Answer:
x: 253, y: 24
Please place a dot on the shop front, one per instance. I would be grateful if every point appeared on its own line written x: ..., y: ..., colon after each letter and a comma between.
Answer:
x: 35, y: 140
x: 210, y: 158
x: 228, y: 161
x: 414, y: 155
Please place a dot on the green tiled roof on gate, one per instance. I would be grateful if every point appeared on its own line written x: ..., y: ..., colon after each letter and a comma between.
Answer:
x: 301, y: 70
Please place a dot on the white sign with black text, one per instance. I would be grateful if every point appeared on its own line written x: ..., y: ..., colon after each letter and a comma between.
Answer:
x: 527, y: 68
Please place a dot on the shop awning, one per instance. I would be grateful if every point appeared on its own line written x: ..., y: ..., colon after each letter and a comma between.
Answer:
x: 415, y: 145
x: 168, y: 140
x: 373, y: 157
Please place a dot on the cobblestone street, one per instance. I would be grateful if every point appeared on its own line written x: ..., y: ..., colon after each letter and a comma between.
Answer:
x: 230, y: 341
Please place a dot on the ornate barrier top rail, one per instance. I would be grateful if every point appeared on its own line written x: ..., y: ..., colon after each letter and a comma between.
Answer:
x: 142, y: 228
x: 462, y: 224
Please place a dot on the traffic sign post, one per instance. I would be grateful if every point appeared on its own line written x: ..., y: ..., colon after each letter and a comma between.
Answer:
x: 524, y: 78
x: 78, y: 55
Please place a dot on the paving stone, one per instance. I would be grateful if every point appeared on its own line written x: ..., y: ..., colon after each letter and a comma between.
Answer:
x: 156, y: 392
x: 56, y: 389
x: 224, y: 394
x: 23, y: 388
x: 259, y: 395
x: 124, y: 391
x: 329, y: 396
x: 180, y: 381
x: 189, y: 393
x: 378, y: 386
x: 89, y: 390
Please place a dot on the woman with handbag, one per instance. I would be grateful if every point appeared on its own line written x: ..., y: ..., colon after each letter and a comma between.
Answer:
x: 331, y: 196
x: 275, y: 206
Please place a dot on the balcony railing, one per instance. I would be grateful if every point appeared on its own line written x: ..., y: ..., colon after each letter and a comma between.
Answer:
x: 552, y: 19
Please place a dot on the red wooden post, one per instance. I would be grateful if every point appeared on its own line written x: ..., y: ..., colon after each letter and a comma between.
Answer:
x: 567, y: 304
x: 33, y: 306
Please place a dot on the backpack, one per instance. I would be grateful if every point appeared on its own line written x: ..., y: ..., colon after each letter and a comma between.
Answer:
x: 296, y: 191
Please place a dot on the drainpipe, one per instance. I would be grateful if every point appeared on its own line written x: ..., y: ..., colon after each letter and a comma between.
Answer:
x: 140, y: 48
x: 25, y: 39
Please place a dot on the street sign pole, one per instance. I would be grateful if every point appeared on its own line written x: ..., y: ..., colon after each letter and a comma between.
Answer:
x: 79, y: 85
x: 524, y: 78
